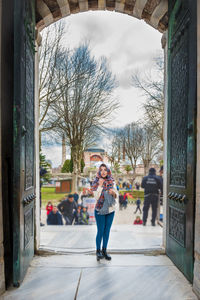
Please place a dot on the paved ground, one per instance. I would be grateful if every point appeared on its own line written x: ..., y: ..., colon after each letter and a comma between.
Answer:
x: 124, y: 216
x: 81, y: 277
x: 81, y: 239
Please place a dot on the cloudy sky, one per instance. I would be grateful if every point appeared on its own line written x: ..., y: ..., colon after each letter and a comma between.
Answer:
x: 128, y: 44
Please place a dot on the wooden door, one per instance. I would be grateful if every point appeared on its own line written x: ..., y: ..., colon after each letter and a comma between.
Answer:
x: 182, y: 86
x: 23, y: 138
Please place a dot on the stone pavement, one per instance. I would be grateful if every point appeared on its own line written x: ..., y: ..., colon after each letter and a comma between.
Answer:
x: 124, y: 237
x: 81, y: 239
x: 81, y: 277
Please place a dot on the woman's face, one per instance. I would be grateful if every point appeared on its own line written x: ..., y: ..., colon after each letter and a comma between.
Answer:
x: 103, y: 172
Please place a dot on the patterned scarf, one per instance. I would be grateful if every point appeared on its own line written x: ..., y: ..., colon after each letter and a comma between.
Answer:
x: 107, y: 185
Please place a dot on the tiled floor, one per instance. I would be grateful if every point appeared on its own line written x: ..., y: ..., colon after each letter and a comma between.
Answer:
x: 134, y: 277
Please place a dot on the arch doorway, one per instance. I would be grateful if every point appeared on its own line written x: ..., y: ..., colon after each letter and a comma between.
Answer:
x: 179, y: 22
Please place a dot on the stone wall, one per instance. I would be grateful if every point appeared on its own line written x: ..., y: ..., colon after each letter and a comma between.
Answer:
x: 196, y: 283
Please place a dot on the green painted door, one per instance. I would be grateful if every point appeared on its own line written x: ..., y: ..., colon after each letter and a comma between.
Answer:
x: 23, y: 126
x: 182, y: 86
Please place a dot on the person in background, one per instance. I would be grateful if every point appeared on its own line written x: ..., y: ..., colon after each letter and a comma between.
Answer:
x: 54, y: 217
x: 76, y: 197
x: 84, y: 194
x: 137, y: 186
x: 152, y: 185
x: 138, y: 203
x: 138, y: 221
x: 81, y: 216
x: 125, y: 200
x: 68, y: 209
x: 85, y: 216
x: 49, y: 207
x: 121, y: 201
x: 78, y: 215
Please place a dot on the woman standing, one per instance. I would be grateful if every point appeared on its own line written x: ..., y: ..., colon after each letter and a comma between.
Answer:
x: 105, y: 193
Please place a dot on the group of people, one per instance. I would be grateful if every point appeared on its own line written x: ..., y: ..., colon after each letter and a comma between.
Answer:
x: 127, y: 186
x: 105, y: 192
x: 69, y: 210
x: 103, y: 185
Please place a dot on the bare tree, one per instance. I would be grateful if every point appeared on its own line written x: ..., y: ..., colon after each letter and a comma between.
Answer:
x: 132, y: 139
x: 151, y: 84
x: 114, y: 147
x: 84, y: 104
x: 49, y: 55
x: 151, y: 146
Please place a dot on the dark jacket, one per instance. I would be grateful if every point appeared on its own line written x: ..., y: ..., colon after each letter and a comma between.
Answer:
x: 67, y: 208
x: 54, y: 219
x: 121, y: 199
x: 151, y: 184
x: 76, y: 197
x: 138, y: 202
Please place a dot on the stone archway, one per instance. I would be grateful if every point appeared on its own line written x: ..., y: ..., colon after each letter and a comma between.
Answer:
x: 153, y: 12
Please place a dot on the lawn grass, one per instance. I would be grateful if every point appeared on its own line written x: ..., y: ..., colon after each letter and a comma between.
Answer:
x: 135, y: 193
x: 48, y: 194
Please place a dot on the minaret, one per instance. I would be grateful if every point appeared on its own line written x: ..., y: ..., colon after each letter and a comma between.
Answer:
x: 63, y: 150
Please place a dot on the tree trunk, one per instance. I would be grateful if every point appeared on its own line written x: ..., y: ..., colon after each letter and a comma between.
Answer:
x: 40, y: 140
x: 63, y: 150
x: 75, y: 171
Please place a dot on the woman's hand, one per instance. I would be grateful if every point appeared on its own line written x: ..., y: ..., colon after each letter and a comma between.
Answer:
x: 112, y: 192
x: 90, y: 192
x: 101, y: 181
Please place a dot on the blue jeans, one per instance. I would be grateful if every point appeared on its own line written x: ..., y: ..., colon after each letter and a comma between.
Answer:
x: 104, y: 223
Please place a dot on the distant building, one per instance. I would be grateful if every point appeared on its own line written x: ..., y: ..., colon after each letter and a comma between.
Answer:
x: 94, y: 155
